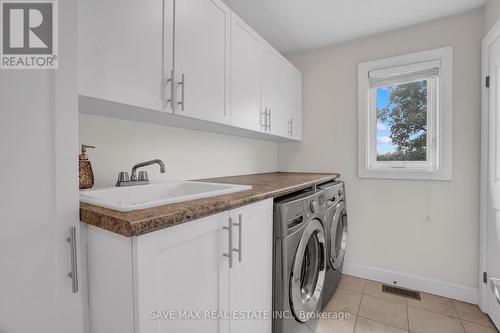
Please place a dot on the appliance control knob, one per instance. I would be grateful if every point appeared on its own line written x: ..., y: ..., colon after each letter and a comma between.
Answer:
x: 314, y: 206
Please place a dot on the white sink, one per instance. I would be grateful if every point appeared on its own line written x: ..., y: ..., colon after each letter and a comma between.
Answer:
x: 126, y: 199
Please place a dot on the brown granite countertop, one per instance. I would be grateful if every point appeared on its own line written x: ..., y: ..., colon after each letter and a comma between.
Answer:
x: 265, y: 185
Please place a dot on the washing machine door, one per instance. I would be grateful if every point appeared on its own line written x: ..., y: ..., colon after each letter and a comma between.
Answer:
x: 308, y: 272
x: 338, y: 236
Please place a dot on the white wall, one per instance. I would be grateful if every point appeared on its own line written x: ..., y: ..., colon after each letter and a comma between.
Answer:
x: 492, y: 13
x: 188, y: 154
x: 388, y: 226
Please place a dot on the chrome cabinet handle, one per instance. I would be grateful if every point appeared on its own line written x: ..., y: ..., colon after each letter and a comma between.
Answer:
x: 495, y: 286
x: 74, y: 263
x: 263, y: 119
x: 269, y: 124
x: 230, y: 246
x: 171, y: 100
x: 183, y: 84
x: 290, y: 127
x: 239, y: 225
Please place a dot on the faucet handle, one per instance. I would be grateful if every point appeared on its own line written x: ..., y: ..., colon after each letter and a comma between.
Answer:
x: 143, y: 176
x: 122, y: 177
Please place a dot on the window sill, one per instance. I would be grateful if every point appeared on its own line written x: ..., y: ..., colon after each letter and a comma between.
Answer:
x: 405, y: 174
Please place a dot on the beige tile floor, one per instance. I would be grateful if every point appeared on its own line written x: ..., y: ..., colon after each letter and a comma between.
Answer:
x: 376, y: 312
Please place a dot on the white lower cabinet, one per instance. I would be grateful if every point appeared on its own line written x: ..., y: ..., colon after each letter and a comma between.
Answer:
x: 250, y: 278
x: 181, y: 279
x: 182, y: 270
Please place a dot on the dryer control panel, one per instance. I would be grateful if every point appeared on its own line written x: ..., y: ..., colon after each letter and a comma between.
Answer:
x: 334, y: 192
x: 315, y: 204
x: 291, y: 212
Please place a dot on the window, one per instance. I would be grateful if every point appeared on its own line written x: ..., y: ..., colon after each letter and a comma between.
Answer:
x: 405, y: 122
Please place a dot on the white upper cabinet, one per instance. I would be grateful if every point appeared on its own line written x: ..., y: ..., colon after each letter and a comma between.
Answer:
x: 246, y: 76
x: 275, y: 92
x: 294, y: 100
x: 189, y: 58
x: 264, y: 86
x: 120, y: 51
x: 201, y: 57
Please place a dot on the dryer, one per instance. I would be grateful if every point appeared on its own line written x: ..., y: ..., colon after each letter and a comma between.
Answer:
x: 299, y: 260
x: 336, y: 228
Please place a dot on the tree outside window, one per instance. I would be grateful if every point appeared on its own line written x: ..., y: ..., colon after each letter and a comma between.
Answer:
x: 402, y: 122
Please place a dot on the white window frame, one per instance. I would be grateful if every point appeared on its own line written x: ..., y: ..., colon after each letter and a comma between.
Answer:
x: 439, y: 116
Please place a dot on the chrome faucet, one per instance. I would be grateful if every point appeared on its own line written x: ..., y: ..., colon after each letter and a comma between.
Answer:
x: 135, y: 179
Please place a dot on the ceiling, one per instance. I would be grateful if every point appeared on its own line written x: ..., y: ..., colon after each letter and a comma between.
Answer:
x: 299, y: 25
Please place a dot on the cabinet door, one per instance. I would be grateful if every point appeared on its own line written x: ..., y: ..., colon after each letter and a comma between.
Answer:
x: 182, y: 269
x: 295, y: 103
x: 201, y: 59
x: 246, y: 76
x: 251, y: 275
x: 120, y: 49
x: 275, y: 91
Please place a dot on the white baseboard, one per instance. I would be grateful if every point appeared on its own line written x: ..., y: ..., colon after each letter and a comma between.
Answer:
x: 436, y: 287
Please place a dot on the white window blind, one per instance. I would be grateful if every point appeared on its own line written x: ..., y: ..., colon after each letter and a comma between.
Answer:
x: 403, y: 74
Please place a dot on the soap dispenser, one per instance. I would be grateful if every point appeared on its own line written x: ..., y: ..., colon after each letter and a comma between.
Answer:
x: 86, y: 173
